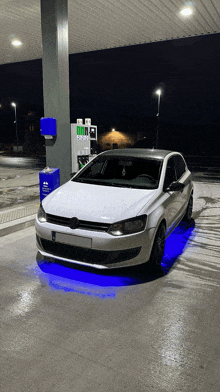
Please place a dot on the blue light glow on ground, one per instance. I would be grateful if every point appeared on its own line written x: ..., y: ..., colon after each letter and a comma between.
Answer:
x: 70, y: 278
x: 106, y: 284
x: 176, y: 243
x: 97, y: 284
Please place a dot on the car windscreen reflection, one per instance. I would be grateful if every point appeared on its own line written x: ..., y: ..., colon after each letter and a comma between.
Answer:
x: 129, y: 172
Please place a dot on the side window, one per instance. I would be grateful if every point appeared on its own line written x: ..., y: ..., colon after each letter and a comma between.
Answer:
x: 180, y: 166
x: 170, y: 173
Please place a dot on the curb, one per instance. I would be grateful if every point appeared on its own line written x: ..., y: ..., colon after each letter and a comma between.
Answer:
x: 18, y: 218
x: 19, y: 224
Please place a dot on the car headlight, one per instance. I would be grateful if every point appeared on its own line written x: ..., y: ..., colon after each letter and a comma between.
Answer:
x: 128, y: 226
x: 41, y: 214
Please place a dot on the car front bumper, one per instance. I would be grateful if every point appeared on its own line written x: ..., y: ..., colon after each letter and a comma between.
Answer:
x: 91, y: 248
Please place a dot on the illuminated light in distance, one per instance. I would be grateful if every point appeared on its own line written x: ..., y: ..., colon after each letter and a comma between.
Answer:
x: 186, y: 11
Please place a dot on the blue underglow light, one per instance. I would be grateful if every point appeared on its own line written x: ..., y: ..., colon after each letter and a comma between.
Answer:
x: 70, y: 279
x: 106, y: 284
x: 176, y: 243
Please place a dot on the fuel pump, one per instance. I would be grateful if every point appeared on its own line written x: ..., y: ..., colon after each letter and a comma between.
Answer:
x: 81, y: 137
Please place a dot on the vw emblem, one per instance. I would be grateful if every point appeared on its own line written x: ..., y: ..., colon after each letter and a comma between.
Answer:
x: 74, y: 223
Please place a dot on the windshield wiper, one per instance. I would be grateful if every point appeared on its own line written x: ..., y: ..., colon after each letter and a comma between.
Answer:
x: 81, y: 180
x: 113, y: 184
x: 90, y: 181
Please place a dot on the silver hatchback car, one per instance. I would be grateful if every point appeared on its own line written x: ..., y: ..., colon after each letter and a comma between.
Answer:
x: 118, y: 210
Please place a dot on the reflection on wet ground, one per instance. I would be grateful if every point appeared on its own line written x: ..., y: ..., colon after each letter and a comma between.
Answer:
x: 18, y: 186
x: 23, y: 162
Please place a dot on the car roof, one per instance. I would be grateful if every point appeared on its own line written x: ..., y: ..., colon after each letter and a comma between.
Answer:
x: 139, y: 153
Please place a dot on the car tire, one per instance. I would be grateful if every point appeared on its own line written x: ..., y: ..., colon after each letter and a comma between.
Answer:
x: 188, y: 214
x: 157, y: 251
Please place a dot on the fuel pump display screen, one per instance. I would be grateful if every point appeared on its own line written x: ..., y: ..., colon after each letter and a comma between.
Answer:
x: 80, y: 130
x: 92, y: 132
x: 86, y: 131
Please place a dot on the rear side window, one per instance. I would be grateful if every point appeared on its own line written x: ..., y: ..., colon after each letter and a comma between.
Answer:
x: 180, y: 166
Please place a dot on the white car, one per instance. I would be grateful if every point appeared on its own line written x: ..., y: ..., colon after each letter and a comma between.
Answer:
x: 117, y: 210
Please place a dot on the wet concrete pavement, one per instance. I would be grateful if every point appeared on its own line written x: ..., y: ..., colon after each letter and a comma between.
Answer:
x: 71, y: 329
x: 19, y: 180
x: 18, y: 186
x: 19, y: 192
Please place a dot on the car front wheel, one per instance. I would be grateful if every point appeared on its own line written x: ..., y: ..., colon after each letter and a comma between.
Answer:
x: 158, y: 249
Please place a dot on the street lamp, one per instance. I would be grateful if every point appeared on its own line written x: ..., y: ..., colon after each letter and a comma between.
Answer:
x: 14, y: 105
x: 158, y: 92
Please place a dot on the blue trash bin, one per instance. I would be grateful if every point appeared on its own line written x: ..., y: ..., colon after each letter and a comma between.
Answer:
x: 49, y: 179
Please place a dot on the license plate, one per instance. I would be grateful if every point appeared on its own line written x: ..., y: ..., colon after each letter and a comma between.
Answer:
x: 69, y: 239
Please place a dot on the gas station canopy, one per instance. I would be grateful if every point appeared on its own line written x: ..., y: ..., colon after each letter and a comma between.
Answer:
x: 103, y: 24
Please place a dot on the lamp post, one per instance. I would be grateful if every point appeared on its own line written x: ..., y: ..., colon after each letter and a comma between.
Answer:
x: 14, y: 105
x: 113, y: 130
x: 158, y: 92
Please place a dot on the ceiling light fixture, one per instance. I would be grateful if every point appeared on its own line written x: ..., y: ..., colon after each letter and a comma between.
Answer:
x: 186, y: 11
x: 16, y: 42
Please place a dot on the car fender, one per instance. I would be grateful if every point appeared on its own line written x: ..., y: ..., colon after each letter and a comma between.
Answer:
x: 155, y: 211
x: 154, y: 219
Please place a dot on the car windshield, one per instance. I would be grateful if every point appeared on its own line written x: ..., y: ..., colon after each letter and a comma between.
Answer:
x: 127, y: 172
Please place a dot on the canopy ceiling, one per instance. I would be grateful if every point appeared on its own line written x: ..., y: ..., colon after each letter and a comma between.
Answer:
x: 102, y: 24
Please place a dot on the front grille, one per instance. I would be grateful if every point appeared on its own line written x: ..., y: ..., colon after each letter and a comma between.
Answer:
x: 83, y: 225
x: 90, y: 256
x: 58, y: 220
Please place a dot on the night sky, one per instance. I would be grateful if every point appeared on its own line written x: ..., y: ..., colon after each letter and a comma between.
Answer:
x: 113, y: 85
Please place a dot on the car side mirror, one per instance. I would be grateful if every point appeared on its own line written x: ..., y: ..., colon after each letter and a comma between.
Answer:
x: 175, y: 187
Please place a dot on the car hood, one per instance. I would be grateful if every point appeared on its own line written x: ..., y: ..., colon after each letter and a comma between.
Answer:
x: 96, y: 202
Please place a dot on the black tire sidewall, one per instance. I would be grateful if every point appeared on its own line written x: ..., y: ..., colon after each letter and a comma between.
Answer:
x: 186, y: 217
x: 155, y: 262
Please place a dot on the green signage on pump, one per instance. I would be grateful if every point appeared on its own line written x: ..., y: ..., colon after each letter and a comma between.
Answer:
x: 80, y: 130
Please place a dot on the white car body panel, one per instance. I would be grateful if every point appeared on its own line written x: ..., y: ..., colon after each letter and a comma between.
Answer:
x: 84, y: 201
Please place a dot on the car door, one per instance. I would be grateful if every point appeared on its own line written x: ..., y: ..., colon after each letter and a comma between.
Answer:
x: 173, y: 201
